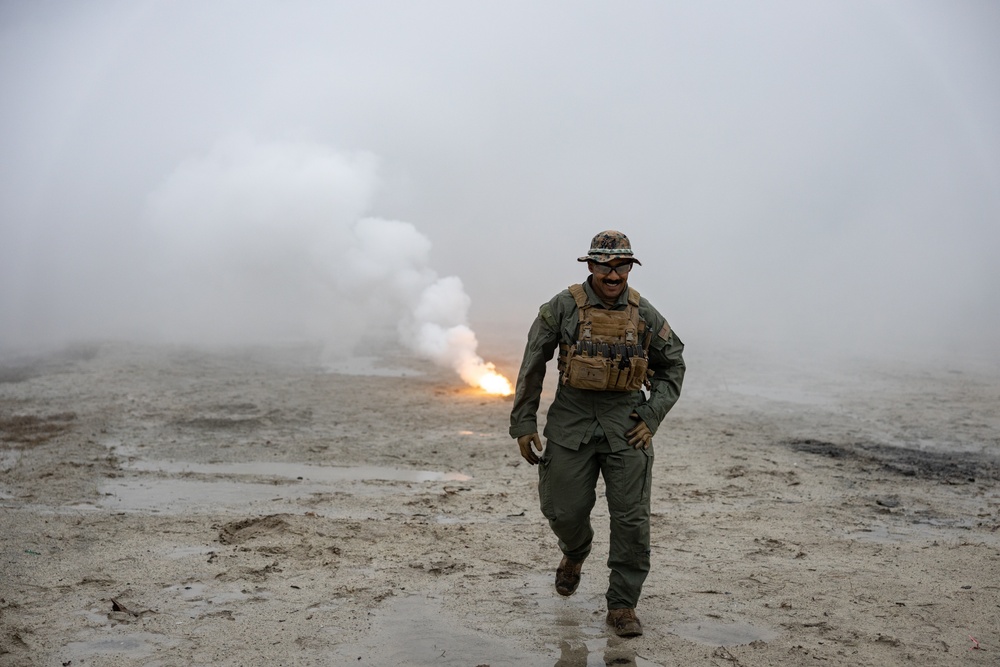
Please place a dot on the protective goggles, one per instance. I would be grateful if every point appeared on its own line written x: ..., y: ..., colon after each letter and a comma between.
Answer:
x: 605, y: 269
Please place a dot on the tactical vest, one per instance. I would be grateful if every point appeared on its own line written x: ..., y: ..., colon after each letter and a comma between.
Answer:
x: 611, y: 348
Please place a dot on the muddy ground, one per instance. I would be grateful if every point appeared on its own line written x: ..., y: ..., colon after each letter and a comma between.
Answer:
x: 176, y: 506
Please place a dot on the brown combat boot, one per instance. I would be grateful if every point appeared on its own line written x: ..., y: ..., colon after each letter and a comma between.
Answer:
x: 568, y: 576
x: 625, y: 622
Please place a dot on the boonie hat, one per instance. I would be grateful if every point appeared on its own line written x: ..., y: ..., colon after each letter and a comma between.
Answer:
x: 609, y: 245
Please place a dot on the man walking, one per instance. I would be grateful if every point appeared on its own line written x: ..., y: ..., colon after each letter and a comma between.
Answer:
x: 620, y: 372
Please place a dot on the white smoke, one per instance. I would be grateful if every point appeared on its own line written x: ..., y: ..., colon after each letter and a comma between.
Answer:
x: 261, y: 242
x: 439, y: 331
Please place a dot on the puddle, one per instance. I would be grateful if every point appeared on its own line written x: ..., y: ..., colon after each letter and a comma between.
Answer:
x: 715, y: 633
x: 174, y: 496
x: 599, y: 653
x: 298, y: 471
x: 925, y: 530
x: 199, y: 600
x: 416, y: 630
x: 591, y: 644
x: 877, y: 534
x: 131, y: 646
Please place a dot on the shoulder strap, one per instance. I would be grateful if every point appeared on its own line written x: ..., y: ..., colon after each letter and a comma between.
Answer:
x: 579, y: 295
x: 633, y: 297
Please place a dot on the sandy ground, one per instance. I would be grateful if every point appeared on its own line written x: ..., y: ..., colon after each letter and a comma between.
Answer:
x: 170, y: 506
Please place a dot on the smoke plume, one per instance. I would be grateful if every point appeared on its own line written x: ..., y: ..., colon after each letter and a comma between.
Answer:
x: 263, y: 242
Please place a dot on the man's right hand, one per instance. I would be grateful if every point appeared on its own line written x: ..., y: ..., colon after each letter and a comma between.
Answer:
x: 526, y: 442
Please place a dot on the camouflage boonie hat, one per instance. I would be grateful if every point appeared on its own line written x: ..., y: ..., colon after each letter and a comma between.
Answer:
x: 609, y: 245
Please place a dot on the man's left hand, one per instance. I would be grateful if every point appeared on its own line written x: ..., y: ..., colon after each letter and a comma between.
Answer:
x: 639, y: 436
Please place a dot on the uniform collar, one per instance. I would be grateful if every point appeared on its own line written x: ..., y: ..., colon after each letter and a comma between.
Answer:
x: 620, y: 302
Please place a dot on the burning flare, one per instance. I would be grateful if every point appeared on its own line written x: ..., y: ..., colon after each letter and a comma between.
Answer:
x: 484, y: 375
x: 456, y: 347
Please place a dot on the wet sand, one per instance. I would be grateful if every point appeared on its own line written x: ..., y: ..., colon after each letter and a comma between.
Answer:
x: 175, y: 506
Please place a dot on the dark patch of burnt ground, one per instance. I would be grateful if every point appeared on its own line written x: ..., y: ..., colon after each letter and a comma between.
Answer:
x: 33, y: 429
x: 952, y: 467
x: 24, y: 368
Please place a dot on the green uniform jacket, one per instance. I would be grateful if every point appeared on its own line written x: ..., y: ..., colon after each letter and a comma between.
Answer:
x: 575, y: 414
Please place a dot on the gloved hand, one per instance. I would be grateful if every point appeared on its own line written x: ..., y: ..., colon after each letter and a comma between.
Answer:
x: 639, y: 436
x: 525, y: 442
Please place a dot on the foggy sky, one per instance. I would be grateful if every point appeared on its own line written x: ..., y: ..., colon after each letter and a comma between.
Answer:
x: 823, y: 174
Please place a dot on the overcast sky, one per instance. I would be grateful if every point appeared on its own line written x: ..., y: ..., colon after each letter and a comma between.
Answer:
x: 825, y: 173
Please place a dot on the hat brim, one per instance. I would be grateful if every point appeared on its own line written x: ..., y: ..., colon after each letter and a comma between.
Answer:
x: 604, y: 259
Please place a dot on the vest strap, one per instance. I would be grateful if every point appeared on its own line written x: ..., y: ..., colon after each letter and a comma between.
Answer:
x: 578, y: 295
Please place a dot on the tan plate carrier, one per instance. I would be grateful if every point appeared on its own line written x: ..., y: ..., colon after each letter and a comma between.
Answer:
x: 611, y: 349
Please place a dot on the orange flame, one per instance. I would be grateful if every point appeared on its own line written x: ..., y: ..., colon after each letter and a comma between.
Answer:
x: 494, y: 383
x: 485, y: 376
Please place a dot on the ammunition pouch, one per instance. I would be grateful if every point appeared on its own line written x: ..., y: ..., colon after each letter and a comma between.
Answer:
x: 611, y: 350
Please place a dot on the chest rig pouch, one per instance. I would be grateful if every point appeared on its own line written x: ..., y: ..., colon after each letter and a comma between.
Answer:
x: 611, y: 348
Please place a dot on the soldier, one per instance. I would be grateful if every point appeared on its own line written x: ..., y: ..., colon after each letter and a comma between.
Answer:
x: 612, y: 346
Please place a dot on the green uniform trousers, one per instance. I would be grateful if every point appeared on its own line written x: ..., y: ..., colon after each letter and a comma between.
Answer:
x: 567, y: 481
